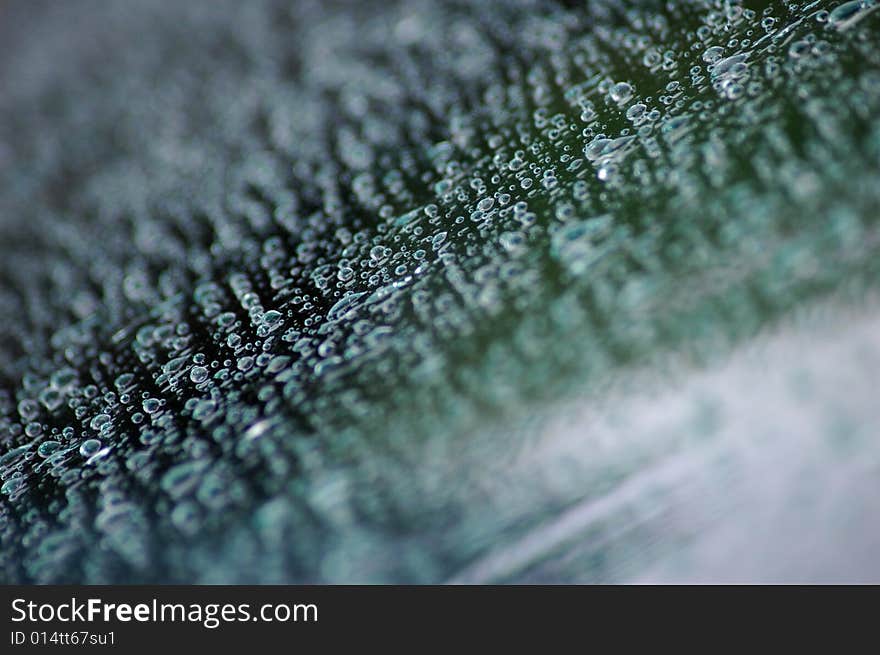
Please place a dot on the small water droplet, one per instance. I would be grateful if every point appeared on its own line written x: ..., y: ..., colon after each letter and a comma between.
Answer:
x: 47, y: 448
x: 713, y: 54
x: 11, y: 485
x: 198, y: 374
x: 89, y: 447
x: 99, y: 421
x: 621, y: 92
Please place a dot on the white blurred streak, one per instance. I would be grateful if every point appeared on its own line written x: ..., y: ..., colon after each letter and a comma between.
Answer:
x: 762, y: 468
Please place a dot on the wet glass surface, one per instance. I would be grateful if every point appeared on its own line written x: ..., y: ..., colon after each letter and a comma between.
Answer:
x: 292, y: 291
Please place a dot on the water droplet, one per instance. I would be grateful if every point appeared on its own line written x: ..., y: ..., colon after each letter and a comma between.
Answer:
x: 713, y: 54
x: 89, y: 447
x: 124, y: 381
x: 198, y: 374
x: 621, y: 92
x: 11, y: 485
x: 343, y: 305
x: 378, y: 253
x: 841, y: 15
x: 174, y: 365
x: 51, y: 398
x: 28, y: 409
x: 486, y: 204
x: 277, y: 363
x: 13, y: 454
x: 99, y: 421
x: 151, y: 405
x: 63, y: 378
x: 271, y: 317
x: 513, y: 242
x: 47, y: 448
x: 635, y: 112
x: 204, y: 409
